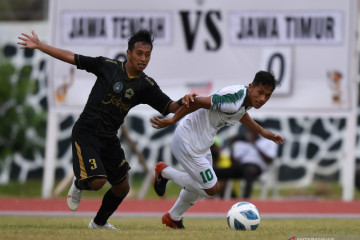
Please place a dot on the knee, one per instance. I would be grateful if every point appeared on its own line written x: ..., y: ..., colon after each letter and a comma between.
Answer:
x: 97, y: 184
x: 214, y: 190
x: 122, y: 189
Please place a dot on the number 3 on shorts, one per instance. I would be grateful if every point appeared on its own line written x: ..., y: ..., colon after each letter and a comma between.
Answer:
x: 206, y: 175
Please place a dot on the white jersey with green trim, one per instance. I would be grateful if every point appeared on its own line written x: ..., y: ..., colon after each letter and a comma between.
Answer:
x: 199, y: 128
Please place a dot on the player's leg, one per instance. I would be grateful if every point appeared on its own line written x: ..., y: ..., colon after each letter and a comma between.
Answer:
x: 87, y: 166
x: 111, y: 201
x: 190, y: 182
x: 199, y: 177
x: 173, y: 218
x: 185, y: 200
x: 198, y: 180
x: 117, y: 170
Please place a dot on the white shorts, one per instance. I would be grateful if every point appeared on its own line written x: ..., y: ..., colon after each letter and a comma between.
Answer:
x: 198, y: 166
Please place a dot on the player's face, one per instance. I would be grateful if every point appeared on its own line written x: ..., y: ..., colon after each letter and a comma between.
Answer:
x: 259, y: 95
x: 139, y: 57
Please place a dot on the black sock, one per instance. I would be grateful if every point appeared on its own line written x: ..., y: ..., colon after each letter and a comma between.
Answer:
x: 109, y: 204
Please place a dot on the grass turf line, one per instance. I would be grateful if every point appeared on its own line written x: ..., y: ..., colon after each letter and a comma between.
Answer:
x: 59, y: 228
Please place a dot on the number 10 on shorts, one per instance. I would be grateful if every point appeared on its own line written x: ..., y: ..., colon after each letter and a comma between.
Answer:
x: 207, y: 175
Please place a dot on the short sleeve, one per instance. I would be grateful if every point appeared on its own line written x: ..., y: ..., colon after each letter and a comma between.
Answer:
x: 228, y: 103
x: 156, y: 98
x: 90, y: 64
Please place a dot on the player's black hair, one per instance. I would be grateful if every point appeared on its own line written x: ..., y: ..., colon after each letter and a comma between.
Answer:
x: 140, y: 36
x: 266, y: 79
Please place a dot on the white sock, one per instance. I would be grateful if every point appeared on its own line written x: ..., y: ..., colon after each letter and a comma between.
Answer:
x: 184, y: 180
x: 185, y: 200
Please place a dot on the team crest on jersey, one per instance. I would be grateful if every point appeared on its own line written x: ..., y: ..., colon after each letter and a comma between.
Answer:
x: 118, y: 87
x: 129, y: 93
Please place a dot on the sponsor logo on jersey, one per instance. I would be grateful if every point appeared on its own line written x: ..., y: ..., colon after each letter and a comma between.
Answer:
x: 118, y: 87
x: 129, y: 93
x: 116, y: 101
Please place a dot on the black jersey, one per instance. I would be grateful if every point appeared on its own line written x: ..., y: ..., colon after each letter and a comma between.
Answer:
x: 114, y: 94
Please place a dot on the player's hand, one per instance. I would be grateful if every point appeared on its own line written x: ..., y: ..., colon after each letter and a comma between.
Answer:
x: 278, y: 139
x: 29, y: 41
x: 160, y: 123
x: 273, y: 137
x: 188, y: 98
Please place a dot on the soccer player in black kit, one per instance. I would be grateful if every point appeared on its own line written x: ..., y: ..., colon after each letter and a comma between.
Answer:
x: 97, y: 153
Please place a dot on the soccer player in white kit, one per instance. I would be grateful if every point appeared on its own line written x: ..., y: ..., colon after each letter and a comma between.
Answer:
x: 195, y: 133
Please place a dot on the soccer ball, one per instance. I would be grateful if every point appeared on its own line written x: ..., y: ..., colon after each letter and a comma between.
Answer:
x: 243, y: 216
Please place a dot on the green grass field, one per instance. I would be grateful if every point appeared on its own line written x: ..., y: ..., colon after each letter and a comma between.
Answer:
x: 60, y: 228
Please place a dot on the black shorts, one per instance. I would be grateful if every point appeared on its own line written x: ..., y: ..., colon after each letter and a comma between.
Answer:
x: 97, y: 156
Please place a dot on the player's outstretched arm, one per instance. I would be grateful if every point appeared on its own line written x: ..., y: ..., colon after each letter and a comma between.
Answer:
x: 272, y: 136
x: 199, y: 102
x: 250, y: 123
x: 186, y: 100
x: 32, y: 41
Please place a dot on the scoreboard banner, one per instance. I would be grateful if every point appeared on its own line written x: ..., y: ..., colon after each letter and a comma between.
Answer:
x: 113, y: 27
x: 204, y: 45
x: 288, y: 27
